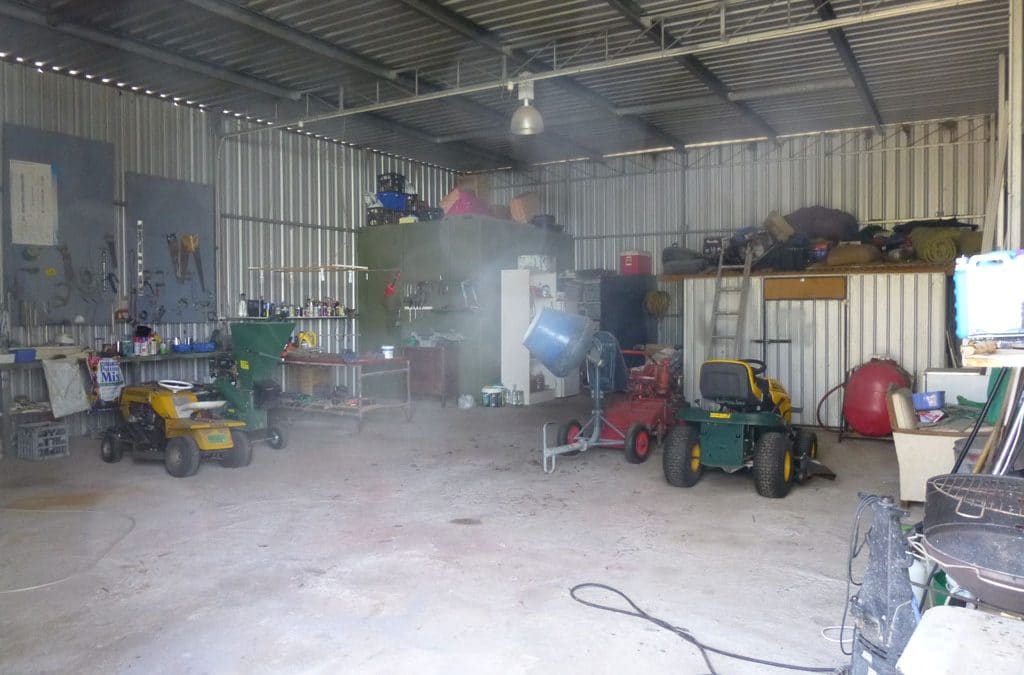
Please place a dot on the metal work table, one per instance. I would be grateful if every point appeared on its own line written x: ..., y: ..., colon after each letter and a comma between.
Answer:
x: 357, y: 406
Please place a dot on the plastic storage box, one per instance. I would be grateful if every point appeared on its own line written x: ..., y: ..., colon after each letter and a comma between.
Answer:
x: 43, y: 440
x: 635, y: 262
x: 929, y: 400
x: 399, y: 201
x: 24, y: 355
x: 989, y: 291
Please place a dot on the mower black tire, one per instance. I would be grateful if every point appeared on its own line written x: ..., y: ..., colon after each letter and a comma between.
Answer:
x: 276, y: 438
x: 241, y: 452
x: 111, y: 449
x: 181, y: 457
x: 638, y: 444
x: 774, y: 467
x: 806, y: 444
x: 565, y: 431
x: 681, y: 451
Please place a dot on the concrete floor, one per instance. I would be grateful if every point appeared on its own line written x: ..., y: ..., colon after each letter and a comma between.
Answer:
x: 436, y: 546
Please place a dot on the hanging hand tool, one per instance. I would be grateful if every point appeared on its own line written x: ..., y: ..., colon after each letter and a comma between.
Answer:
x: 111, y: 249
x: 158, y: 282
x: 174, y: 248
x: 469, y: 295
x: 389, y: 290
x: 160, y: 311
x: 69, y: 268
x: 146, y: 283
x: 190, y: 243
x: 111, y: 280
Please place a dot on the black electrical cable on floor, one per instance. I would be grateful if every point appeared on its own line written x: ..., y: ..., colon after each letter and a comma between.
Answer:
x: 705, y: 650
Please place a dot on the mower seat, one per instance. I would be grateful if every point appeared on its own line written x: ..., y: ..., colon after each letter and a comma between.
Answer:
x: 734, y: 383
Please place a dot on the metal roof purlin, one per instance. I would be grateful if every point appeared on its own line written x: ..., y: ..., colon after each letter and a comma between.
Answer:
x: 39, y: 18
x: 842, y: 44
x: 477, y: 33
x: 409, y: 83
x: 633, y: 13
x: 915, y: 7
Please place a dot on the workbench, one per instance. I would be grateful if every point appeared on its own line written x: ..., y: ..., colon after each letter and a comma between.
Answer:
x: 9, y: 415
x: 355, y: 404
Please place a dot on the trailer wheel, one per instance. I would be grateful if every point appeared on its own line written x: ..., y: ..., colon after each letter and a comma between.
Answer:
x: 276, y: 438
x: 181, y: 458
x: 638, y: 444
x: 774, y: 468
x: 681, y: 457
x: 568, y: 433
x: 111, y: 449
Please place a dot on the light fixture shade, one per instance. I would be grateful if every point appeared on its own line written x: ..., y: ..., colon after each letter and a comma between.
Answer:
x: 527, y: 120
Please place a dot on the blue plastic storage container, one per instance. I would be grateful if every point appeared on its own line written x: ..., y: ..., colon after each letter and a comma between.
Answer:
x: 989, y: 294
x: 399, y: 201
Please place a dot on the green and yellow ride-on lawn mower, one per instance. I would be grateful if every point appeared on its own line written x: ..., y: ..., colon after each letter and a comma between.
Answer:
x: 742, y: 421
x: 167, y: 421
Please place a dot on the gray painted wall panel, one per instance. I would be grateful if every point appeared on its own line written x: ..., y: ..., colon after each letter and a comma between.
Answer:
x: 295, y: 200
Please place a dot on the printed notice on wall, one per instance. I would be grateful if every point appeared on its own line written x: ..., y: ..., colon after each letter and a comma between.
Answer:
x: 33, y: 204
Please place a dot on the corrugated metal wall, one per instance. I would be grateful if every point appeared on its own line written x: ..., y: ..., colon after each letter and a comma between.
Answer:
x: 900, y: 316
x: 285, y: 199
x: 646, y: 202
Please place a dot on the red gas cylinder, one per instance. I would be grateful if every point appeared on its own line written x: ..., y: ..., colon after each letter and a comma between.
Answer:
x: 864, y: 405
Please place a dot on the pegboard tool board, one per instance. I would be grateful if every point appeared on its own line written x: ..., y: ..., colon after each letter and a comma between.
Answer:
x: 58, y: 217
x: 177, y: 278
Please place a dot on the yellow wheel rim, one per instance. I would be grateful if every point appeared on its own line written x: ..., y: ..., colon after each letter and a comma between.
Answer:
x: 787, y: 466
x: 695, y: 458
x: 814, y: 450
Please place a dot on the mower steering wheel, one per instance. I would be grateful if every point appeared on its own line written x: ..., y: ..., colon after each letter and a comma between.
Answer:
x: 756, y: 365
x: 175, y: 385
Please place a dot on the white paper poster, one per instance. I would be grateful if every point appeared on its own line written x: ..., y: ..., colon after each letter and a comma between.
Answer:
x: 33, y: 204
x: 109, y: 379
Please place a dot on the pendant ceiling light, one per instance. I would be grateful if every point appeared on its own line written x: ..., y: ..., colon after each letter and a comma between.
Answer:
x: 526, y: 120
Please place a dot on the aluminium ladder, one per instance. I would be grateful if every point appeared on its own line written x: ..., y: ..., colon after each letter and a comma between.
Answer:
x: 727, y: 324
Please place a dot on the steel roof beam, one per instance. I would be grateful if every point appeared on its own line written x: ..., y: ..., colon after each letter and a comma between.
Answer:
x: 842, y: 45
x: 477, y: 33
x: 862, y: 18
x: 348, y: 57
x: 39, y: 18
x: 634, y: 14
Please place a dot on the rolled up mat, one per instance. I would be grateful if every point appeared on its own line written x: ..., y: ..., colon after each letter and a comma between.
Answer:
x: 936, y: 244
x: 969, y: 242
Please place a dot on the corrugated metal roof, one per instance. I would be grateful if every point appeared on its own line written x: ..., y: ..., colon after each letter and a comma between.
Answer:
x: 924, y: 66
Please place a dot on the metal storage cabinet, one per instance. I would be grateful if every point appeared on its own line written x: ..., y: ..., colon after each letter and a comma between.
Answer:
x: 445, y: 252
x: 622, y: 309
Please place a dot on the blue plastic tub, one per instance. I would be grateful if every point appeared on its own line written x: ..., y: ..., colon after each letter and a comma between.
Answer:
x: 204, y: 346
x: 559, y: 340
x: 399, y: 201
x: 24, y: 355
x: 929, y: 400
x: 183, y: 348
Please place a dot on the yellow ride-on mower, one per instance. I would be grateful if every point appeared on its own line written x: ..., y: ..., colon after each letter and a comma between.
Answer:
x: 166, y: 421
x: 742, y: 421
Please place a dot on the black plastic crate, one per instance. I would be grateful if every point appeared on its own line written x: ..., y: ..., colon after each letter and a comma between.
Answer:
x: 390, y: 182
